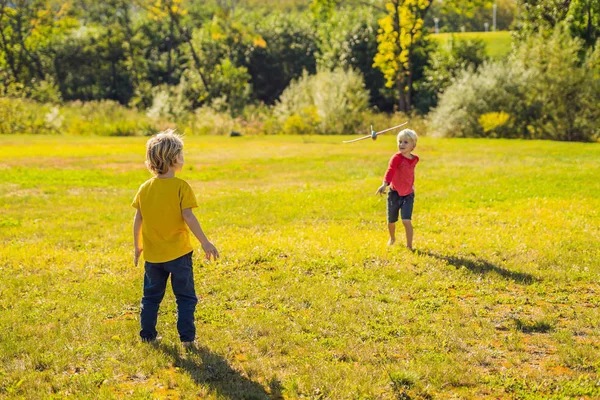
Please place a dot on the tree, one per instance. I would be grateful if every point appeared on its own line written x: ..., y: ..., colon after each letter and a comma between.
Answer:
x: 581, y: 16
x: 540, y: 15
x: 399, y: 35
x: 28, y: 31
x: 583, y: 19
x: 401, y: 42
x: 290, y: 49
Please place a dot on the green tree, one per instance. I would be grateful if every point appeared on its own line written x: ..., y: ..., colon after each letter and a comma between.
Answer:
x: 583, y: 19
x: 28, y: 32
x: 217, y: 75
x: 540, y: 15
x: 291, y: 47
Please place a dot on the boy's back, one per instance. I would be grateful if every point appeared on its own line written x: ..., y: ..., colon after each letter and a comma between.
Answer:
x: 165, y: 233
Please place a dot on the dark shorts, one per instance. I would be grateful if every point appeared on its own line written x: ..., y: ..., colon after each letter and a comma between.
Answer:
x: 402, y: 205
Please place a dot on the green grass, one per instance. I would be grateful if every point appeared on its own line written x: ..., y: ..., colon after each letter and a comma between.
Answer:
x: 500, y: 300
x: 498, y: 44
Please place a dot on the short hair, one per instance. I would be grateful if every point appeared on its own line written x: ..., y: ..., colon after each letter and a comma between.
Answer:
x: 162, y: 151
x: 407, y: 133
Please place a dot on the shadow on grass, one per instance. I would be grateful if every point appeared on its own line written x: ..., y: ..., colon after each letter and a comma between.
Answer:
x: 479, y: 266
x: 211, y: 370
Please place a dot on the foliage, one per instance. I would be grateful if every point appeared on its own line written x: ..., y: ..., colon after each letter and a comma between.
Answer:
x: 399, y: 36
x: 29, y: 31
x: 492, y: 123
x: 332, y: 101
x: 105, y: 118
x: 565, y: 87
x: 91, y: 64
x: 216, y: 74
x: 540, y: 16
x: 445, y: 64
x: 290, y: 49
x: 23, y: 116
x: 169, y: 102
x: 583, y: 20
x: 44, y: 91
x: 545, y: 87
x: 496, y: 87
x: 582, y: 17
x: 348, y: 39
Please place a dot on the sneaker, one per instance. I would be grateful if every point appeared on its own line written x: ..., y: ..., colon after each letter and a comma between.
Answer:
x: 154, y: 341
x: 190, y: 345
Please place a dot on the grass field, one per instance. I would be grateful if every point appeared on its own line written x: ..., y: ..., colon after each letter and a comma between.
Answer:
x: 498, y: 44
x: 500, y: 300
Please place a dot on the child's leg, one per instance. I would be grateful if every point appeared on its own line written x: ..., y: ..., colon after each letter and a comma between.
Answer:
x: 155, y: 282
x: 182, y: 281
x: 393, y: 210
x: 406, y: 212
x: 392, y: 230
x: 409, y: 232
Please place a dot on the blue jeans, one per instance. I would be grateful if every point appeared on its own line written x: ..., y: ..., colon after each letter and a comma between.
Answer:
x: 182, y: 282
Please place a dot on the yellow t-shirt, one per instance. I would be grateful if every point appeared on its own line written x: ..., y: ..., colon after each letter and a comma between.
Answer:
x: 164, y: 232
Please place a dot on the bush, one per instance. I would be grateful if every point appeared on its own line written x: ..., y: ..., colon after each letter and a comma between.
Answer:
x: 497, y: 87
x: 331, y: 101
x: 206, y: 121
x: 446, y: 63
x: 20, y: 116
x: 546, y: 90
x: 104, y: 118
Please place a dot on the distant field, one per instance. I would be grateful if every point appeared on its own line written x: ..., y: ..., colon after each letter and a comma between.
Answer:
x: 498, y: 44
x: 500, y: 300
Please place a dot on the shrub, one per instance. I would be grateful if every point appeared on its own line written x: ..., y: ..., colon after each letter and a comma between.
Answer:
x: 495, y: 122
x: 104, y: 118
x: 21, y: 116
x: 337, y: 98
x: 169, y: 102
x: 546, y: 87
x: 206, y: 121
x: 447, y: 62
x: 497, y: 87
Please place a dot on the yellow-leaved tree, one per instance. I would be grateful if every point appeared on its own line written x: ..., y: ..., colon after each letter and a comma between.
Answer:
x: 398, y: 39
x: 399, y: 32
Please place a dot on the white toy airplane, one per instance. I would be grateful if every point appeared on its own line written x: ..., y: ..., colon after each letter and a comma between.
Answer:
x: 374, y: 134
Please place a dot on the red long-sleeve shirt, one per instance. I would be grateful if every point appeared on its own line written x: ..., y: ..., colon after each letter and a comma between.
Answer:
x: 401, y: 174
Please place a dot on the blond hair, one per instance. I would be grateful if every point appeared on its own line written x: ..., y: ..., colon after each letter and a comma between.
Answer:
x: 162, y: 151
x: 409, y: 134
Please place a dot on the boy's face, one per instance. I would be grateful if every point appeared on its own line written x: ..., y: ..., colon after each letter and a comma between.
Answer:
x: 406, y: 145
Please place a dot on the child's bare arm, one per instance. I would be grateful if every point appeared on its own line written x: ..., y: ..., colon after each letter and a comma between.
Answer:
x: 381, y: 189
x: 192, y: 222
x: 137, y: 237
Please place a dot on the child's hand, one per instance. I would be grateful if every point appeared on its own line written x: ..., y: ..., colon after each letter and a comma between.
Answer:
x: 381, y: 189
x: 136, y: 256
x: 210, y: 250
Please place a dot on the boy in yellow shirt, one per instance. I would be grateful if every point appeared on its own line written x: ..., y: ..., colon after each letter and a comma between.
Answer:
x: 164, y: 212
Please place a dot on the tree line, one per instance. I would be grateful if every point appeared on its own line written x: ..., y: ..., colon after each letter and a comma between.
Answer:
x: 228, y: 55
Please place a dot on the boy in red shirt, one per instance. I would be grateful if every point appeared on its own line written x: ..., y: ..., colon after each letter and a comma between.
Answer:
x: 400, y: 176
